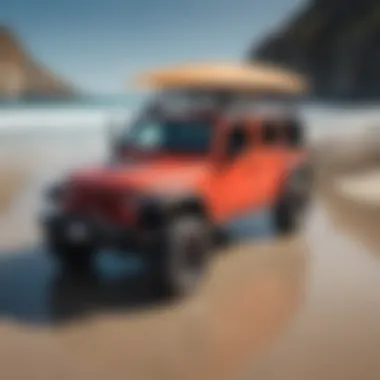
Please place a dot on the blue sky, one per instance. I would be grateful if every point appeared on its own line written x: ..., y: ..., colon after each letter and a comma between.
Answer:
x: 101, y: 44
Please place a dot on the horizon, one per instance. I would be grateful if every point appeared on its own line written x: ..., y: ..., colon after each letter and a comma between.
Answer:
x: 107, y: 44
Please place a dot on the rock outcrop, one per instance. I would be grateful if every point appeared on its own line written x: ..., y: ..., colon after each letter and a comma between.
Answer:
x: 22, y: 77
x: 335, y: 42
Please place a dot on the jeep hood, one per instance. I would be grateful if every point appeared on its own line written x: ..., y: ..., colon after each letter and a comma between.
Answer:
x: 156, y: 175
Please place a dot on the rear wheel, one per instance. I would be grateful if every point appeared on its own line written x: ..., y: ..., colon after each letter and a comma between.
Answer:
x: 181, y: 263
x: 290, y: 208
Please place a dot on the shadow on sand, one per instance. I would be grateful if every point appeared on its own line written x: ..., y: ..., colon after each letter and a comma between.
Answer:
x: 34, y: 290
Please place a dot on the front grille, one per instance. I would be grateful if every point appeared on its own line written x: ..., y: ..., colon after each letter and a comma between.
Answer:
x: 97, y: 201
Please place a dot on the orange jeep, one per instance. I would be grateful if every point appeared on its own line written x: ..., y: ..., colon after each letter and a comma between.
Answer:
x: 202, y: 157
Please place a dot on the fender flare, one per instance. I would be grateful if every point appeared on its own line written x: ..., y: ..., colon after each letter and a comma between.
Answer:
x: 157, y: 211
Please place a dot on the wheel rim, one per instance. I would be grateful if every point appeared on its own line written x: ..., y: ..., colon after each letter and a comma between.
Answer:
x: 193, y: 254
x: 189, y: 266
x: 192, y: 263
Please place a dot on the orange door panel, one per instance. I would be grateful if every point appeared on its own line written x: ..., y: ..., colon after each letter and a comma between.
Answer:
x: 234, y: 188
x: 231, y: 190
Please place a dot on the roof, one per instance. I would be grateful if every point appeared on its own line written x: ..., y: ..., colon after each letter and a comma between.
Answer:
x: 276, y: 112
x: 240, y: 77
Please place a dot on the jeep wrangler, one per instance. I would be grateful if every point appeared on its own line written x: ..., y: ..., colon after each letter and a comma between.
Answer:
x: 186, y: 170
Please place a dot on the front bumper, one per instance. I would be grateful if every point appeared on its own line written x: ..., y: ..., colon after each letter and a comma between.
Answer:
x: 70, y: 229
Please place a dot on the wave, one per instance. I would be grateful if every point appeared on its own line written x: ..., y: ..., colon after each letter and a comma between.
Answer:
x: 321, y: 121
x: 15, y: 120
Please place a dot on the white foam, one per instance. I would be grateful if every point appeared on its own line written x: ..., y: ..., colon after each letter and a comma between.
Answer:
x: 363, y: 187
x: 337, y: 123
x: 35, y: 119
x: 322, y: 122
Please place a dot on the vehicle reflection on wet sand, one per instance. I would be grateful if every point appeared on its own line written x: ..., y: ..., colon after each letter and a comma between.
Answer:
x: 35, y: 291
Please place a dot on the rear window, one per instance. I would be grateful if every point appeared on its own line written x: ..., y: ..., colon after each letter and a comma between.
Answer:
x: 294, y: 133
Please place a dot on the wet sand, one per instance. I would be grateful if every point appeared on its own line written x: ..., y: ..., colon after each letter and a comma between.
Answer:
x: 306, y: 307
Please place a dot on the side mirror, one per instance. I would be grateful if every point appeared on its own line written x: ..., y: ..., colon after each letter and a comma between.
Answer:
x: 236, y: 144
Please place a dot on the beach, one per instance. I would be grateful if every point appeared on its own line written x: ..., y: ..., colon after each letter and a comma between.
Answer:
x: 304, y: 307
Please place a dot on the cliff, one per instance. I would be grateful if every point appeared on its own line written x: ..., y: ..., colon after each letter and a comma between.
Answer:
x: 335, y: 42
x: 22, y: 77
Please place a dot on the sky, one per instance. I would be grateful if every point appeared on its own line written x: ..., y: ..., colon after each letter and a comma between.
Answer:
x: 100, y: 45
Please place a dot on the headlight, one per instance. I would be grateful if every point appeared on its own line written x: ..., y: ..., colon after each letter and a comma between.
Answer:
x: 48, y: 208
x: 51, y: 202
x: 55, y: 192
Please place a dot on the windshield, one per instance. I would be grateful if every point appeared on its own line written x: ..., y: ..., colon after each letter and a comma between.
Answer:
x: 192, y: 137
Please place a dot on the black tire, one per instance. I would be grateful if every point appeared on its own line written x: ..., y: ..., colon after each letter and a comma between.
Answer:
x: 293, y: 202
x: 180, y: 264
x: 75, y: 259
x: 72, y: 296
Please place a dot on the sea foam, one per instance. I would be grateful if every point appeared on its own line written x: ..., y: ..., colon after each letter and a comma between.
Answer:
x: 35, y: 119
x: 322, y: 122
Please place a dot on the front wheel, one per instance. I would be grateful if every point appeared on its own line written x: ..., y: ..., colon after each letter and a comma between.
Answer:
x: 180, y: 264
x: 75, y: 259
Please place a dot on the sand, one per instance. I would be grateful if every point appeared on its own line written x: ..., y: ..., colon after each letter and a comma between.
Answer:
x: 301, y: 308
x: 12, y: 181
x: 361, y: 187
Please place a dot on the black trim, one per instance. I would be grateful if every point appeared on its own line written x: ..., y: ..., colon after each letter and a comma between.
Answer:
x: 155, y: 212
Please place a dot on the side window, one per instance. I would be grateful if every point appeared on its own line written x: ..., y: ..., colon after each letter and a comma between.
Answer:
x: 294, y: 133
x: 237, y: 141
x: 270, y: 133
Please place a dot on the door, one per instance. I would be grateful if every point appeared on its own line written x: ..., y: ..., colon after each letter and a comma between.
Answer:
x: 234, y: 180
